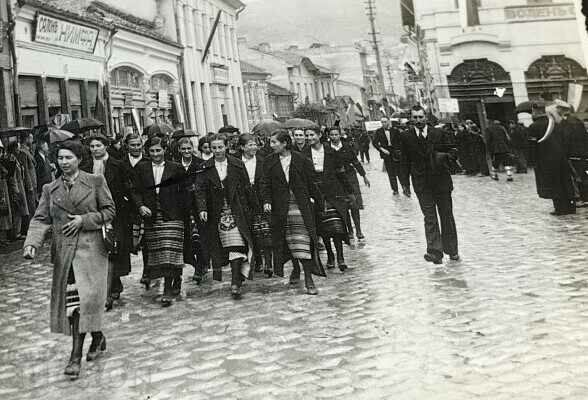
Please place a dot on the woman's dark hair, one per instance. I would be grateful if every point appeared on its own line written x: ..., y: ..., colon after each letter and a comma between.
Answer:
x: 202, y: 142
x: 12, y: 147
x: 334, y: 128
x: 246, y: 138
x: 184, y: 140
x: 105, y: 141
x: 154, y: 141
x: 283, y: 136
x: 132, y: 136
x: 219, y: 136
x: 72, y: 145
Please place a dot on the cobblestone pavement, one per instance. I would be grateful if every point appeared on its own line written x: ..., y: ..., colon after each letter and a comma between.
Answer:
x: 510, y: 321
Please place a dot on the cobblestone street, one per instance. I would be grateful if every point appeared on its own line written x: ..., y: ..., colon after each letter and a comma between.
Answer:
x: 510, y: 321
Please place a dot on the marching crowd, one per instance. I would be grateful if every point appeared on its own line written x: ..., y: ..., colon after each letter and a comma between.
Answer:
x: 250, y: 203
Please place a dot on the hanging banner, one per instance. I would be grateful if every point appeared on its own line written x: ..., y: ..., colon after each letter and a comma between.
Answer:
x: 448, y: 105
x: 62, y: 33
x: 373, y: 125
x: 575, y: 95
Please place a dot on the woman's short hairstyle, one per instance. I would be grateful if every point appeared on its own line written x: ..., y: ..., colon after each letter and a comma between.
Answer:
x: 72, y: 145
x: 183, y: 141
x: 154, y: 141
x: 202, y: 142
x: 283, y: 136
x: 246, y: 138
x: 105, y: 141
x: 132, y: 136
x: 219, y: 136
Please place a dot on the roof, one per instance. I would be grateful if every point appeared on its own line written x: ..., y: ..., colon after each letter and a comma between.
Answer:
x: 276, y: 90
x: 248, y: 68
x: 294, y: 60
x: 96, y: 13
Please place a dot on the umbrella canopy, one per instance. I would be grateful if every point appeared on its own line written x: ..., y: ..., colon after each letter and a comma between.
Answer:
x: 266, y: 128
x: 299, y: 123
x: 228, y: 129
x: 157, y: 130
x: 82, y: 125
x: 59, y: 135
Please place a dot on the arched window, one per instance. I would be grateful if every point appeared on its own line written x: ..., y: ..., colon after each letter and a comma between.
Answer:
x: 126, y: 77
x: 160, y: 82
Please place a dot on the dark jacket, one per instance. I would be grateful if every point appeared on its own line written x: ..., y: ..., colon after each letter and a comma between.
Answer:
x: 298, y: 149
x: 552, y: 172
x: 394, y: 146
x: 518, y: 137
x: 349, y: 160
x: 256, y: 187
x: 173, y: 198
x: 43, y: 171
x: 576, y: 137
x: 275, y: 190
x: 497, y: 140
x: 427, y: 161
x: 210, y: 197
x: 119, y: 183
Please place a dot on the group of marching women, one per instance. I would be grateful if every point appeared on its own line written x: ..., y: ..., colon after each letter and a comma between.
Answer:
x: 250, y: 205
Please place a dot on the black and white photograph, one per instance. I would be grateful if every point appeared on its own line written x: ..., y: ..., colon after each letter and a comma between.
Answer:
x: 293, y: 199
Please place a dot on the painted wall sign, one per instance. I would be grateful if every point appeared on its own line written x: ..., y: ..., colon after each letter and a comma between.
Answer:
x: 539, y: 12
x: 62, y: 33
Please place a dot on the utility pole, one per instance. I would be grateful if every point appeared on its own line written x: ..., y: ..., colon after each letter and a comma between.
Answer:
x: 391, y: 79
x: 371, y: 12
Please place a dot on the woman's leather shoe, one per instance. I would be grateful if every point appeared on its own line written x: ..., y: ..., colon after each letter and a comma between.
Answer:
x: 95, y: 352
x: 330, y: 264
x: 235, y: 292
x: 433, y: 259
x: 73, y: 367
x: 342, y: 266
x: 166, y: 301
x: 311, y: 290
x: 147, y: 282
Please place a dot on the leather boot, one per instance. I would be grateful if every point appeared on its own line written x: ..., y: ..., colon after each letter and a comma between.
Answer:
x: 97, y: 347
x: 309, y: 283
x: 74, y: 365
x: 236, y: 278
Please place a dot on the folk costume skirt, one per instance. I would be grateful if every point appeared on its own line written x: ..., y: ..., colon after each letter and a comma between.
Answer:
x: 296, y: 233
x: 229, y: 235
x: 164, y: 243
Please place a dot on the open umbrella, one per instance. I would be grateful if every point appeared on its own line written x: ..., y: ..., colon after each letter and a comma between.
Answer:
x: 266, y: 128
x: 228, y: 129
x: 82, y: 125
x: 157, y: 130
x: 59, y: 135
x: 528, y: 106
x: 300, y: 123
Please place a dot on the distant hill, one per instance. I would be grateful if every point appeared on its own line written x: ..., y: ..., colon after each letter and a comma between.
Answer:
x: 302, y: 22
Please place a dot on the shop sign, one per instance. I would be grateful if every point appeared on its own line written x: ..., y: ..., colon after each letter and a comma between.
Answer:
x: 448, y: 105
x: 539, y: 12
x: 61, y: 33
x: 163, y: 99
x: 128, y: 100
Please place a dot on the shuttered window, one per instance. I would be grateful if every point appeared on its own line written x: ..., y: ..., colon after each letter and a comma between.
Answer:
x: 53, y: 93
x: 75, y: 93
x: 28, y: 91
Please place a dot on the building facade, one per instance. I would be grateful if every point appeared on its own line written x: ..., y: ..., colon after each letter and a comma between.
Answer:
x: 212, y: 75
x: 255, y: 85
x: 493, y: 54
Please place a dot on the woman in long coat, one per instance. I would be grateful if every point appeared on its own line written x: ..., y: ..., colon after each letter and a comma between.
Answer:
x: 195, y: 251
x: 352, y: 167
x: 75, y: 207
x: 261, y: 225
x: 335, y: 189
x: 286, y: 191
x: 113, y: 170
x: 160, y: 193
x: 225, y: 202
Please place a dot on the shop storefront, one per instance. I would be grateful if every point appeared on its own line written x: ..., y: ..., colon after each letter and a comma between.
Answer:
x: 60, y: 66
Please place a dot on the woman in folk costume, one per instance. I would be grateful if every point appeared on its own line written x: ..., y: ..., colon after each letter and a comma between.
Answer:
x: 195, y: 251
x: 329, y: 176
x: 287, y: 190
x: 118, y: 181
x: 262, y: 238
x: 352, y: 167
x: 75, y: 207
x: 160, y: 193
x: 225, y: 202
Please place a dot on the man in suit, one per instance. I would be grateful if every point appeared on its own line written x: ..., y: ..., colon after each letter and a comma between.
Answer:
x: 426, y: 156
x: 387, y: 141
x: 43, y: 167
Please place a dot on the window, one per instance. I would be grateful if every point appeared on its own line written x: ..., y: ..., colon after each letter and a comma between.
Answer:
x: 92, y: 97
x: 224, y: 115
x: 160, y: 82
x: 472, y: 10
x: 74, y: 91
x: 29, y: 101
x: 126, y: 77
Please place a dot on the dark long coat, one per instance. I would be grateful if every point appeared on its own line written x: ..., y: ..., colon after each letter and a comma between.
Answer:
x: 85, y: 252
x: 275, y: 190
x: 333, y: 184
x: 119, y: 183
x: 427, y: 162
x: 192, y: 171
x: 352, y: 167
x: 552, y: 172
x: 43, y: 171
x: 210, y: 197
x: 497, y: 139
